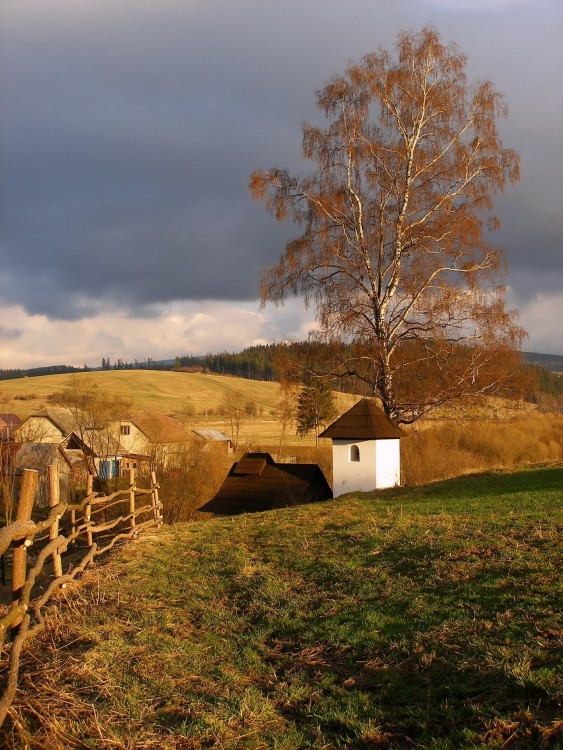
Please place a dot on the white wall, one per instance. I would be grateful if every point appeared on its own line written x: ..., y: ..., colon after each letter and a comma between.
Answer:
x: 379, y: 465
x: 135, y: 442
x: 39, y: 430
x: 388, y: 463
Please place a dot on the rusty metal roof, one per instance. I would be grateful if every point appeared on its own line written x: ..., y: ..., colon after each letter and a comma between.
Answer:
x: 364, y: 421
x: 257, y: 483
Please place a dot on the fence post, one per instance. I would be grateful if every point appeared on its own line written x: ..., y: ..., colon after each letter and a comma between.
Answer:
x: 132, y: 499
x: 155, y: 501
x: 30, y: 480
x: 88, y: 509
x: 54, y: 499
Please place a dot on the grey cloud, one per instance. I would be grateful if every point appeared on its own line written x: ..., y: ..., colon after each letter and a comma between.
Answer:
x: 9, y: 334
x: 129, y: 130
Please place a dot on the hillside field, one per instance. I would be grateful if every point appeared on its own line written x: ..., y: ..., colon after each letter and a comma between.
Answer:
x: 427, y: 618
x: 165, y: 391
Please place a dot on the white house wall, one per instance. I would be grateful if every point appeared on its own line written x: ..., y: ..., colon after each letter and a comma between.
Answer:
x: 40, y: 430
x: 387, y: 463
x: 378, y: 467
x: 136, y: 441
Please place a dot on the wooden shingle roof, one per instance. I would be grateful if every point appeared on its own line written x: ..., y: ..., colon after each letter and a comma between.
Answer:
x: 256, y: 483
x: 364, y: 421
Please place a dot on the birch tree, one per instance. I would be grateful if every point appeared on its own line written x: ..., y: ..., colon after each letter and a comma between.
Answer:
x: 395, y: 253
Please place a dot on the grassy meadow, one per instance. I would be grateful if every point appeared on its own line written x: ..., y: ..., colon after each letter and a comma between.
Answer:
x: 427, y: 617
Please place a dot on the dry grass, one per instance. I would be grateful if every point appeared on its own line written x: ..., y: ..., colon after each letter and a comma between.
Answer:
x: 447, y: 449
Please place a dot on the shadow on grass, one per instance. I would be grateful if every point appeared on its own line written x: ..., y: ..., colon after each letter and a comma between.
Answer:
x: 415, y: 704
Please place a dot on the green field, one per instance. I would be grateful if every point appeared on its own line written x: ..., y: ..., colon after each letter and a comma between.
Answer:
x: 427, y: 617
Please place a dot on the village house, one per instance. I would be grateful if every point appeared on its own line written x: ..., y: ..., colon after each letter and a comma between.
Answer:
x: 147, y: 439
x: 258, y: 483
x: 70, y: 430
x: 52, y: 425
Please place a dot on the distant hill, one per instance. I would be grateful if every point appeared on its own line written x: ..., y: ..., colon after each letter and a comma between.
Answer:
x: 553, y: 362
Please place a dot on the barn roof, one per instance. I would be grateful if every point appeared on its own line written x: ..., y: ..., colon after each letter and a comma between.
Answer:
x: 159, y: 428
x: 257, y: 483
x: 364, y: 421
x: 38, y: 456
x: 212, y: 436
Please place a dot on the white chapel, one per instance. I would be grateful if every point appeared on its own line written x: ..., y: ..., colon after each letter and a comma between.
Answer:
x: 366, y: 449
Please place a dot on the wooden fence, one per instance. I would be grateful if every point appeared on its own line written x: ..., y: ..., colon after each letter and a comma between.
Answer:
x: 68, y: 539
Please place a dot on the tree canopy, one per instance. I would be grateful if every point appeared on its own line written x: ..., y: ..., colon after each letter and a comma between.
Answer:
x: 395, y: 253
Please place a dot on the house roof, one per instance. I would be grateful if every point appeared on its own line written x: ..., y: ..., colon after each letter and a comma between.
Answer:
x: 257, y: 483
x: 364, y: 421
x: 212, y: 436
x: 60, y: 416
x: 159, y: 428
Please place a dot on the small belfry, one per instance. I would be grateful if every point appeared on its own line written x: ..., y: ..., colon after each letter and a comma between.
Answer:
x: 366, y: 449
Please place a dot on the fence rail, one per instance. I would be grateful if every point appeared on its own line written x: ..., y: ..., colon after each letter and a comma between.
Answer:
x: 86, y: 530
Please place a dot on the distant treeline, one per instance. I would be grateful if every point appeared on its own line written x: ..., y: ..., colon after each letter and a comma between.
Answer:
x: 553, y: 362
x: 36, y: 371
x: 33, y: 372
x: 253, y: 363
x: 547, y: 382
x: 261, y: 362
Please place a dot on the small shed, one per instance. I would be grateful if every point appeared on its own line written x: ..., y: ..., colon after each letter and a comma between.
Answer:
x: 366, y: 452
x: 39, y: 456
x: 257, y: 483
x: 215, y: 441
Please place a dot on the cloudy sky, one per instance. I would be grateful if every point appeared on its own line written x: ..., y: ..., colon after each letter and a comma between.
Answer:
x: 129, y: 129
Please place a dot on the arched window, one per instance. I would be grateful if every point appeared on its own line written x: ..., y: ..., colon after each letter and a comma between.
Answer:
x: 354, y: 453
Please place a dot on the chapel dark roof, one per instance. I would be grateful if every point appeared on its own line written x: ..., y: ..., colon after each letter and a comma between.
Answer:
x: 364, y: 421
x: 257, y: 483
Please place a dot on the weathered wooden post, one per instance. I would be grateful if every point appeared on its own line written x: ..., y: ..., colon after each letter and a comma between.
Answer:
x: 155, y: 500
x: 30, y: 480
x: 132, y: 499
x: 88, y: 509
x: 54, y: 499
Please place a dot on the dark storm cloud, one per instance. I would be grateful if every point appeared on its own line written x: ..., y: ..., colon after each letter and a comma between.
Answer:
x: 129, y: 130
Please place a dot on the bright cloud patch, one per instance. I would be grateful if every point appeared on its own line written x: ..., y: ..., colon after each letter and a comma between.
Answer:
x: 177, y: 329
